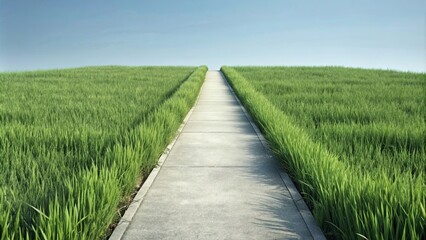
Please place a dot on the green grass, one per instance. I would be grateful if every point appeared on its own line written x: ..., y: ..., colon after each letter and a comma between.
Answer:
x: 74, y: 143
x: 352, y: 139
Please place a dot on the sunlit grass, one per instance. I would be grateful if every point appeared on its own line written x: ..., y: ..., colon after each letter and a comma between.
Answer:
x: 353, y: 140
x: 74, y: 142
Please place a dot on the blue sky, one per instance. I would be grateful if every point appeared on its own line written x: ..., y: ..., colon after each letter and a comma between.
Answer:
x: 45, y: 34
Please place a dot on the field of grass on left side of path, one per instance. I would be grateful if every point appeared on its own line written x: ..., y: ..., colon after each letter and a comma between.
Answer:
x: 74, y: 143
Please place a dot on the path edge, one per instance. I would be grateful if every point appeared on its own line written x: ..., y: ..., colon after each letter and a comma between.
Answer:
x: 126, y: 219
x: 304, y: 211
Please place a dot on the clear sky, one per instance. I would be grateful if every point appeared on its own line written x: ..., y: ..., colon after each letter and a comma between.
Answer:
x: 44, y: 34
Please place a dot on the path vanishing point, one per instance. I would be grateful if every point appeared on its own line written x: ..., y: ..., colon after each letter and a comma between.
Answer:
x: 218, y: 181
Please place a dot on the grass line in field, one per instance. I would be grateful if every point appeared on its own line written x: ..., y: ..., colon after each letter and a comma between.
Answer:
x: 69, y: 151
x: 362, y: 172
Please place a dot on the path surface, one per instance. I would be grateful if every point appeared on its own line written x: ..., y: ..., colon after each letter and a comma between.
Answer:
x: 218, y: 181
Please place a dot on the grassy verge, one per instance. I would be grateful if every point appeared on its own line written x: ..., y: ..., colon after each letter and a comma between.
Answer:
x: 323, y: 148
x: 73, y: 143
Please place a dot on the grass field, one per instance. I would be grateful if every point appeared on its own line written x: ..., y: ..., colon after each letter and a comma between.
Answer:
x: 354, y: 140
x: 74, y: 143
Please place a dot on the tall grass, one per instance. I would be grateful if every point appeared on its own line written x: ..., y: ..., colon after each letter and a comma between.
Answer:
x: 353, y: 140
x: 73, y: 143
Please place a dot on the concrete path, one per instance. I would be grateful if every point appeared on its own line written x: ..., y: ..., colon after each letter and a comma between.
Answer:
x: 218, y: 181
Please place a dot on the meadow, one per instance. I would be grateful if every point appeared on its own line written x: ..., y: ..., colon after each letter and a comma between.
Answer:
x: 76, y: 143
x: 353, y: 140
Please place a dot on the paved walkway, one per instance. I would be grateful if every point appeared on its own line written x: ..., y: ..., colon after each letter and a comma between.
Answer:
x: 218, y: 181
